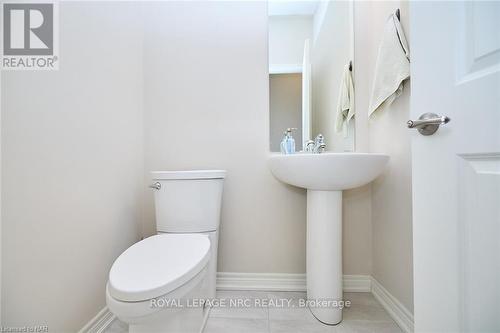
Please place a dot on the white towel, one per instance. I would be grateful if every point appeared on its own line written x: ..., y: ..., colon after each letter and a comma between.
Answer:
x: 345, y: 104
x: 392, y: 66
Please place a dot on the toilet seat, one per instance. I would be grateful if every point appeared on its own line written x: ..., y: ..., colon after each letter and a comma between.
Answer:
x: 137, y: 312
x: 157, y: 265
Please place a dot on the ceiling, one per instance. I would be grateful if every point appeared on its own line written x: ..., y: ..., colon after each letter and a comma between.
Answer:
x: 287, y: 7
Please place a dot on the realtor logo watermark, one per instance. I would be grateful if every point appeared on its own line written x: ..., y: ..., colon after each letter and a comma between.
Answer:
x: 30, y: 32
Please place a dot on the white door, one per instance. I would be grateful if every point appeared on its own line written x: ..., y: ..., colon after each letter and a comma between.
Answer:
x: 306, y: 94
x: 455, y: 72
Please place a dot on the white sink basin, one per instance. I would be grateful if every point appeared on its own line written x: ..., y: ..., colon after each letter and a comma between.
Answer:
x: 325, y: 176
x: 328, y: 171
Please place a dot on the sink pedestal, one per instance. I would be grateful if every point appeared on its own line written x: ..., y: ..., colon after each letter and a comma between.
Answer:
x: 325, y: 176
x: 324, y: 254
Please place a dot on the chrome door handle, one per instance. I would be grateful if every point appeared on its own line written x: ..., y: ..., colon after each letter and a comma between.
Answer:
x: 156, y: 186
x: 428, y: 123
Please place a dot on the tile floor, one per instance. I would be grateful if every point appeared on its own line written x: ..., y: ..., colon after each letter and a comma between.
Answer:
x: 364, y: 315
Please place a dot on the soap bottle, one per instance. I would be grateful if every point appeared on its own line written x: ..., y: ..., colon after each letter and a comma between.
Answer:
x: 283, y: 144
x: 288, y: 143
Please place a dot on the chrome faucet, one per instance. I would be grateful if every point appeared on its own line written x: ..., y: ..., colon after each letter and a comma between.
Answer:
x: 317, y: 146
x: 309, y: 146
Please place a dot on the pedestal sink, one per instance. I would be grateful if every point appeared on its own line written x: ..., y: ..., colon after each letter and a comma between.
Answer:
x: 325, y: 176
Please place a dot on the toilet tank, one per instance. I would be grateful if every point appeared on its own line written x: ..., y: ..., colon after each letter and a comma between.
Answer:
x: 188, y: 201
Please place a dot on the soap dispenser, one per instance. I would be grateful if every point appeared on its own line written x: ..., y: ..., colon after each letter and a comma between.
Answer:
x: 288, y: 143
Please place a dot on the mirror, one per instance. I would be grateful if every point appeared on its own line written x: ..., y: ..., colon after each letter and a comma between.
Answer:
x: 311, y: 47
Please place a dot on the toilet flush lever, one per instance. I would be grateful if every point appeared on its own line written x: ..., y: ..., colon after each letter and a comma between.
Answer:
x: 156, y: 186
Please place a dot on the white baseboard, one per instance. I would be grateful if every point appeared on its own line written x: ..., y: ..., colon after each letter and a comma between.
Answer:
x: 261, y: 281
x: 286, y: 282
x: 99, y: 323
x: 297, y: 282
x: 283, y: 282
x: 357, y: 283
x: 401, y: 315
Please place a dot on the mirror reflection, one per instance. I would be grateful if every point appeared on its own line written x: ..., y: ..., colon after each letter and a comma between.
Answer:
x: 310, y: 82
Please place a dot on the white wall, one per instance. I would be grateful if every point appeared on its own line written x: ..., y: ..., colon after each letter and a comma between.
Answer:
x: 386, y: 133
x: 331, y: 51
x: 71, y: 169
x: 1, y: 219
x: 287, y: 35
x: 207, y: 106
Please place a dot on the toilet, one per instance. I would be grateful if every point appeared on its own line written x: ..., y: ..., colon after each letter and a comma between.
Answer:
x: 159, y: 283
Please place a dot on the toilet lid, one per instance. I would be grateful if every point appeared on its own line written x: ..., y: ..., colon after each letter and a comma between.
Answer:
x: 157, y: 265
